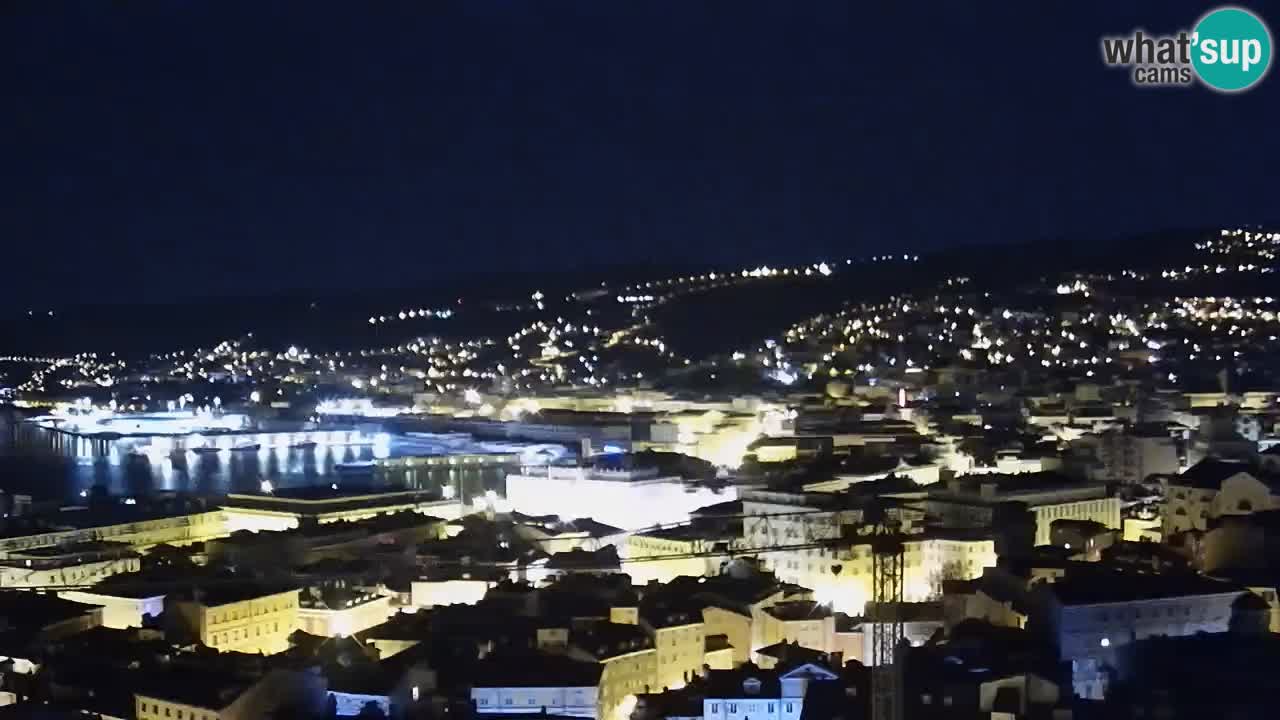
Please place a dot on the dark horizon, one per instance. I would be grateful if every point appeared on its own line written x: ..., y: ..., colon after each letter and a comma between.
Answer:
x: 200, y: 151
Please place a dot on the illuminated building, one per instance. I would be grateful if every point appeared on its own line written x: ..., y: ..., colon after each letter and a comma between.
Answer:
x: 719, y: 437
x: 665, y: 554
x: 553, y: 535
x: 122, y: 607
x: 140, y: 526
x: 241, y: 618
x: 986, y: 599
x: 922, y: 473
x: 1049, y: 495
x: 536, y: 684
x: 630, y: 499
x: 628, y: 665
x: 751, y: 692
x: 734, y: 608
x: 801, y: 622
x: 284, y: 509
x: 332, y: 612
x: 156, y: 705
x: 461, y: 590
x: 312, y: 541
x: 679, y: 641
x: 732, y: 623
x: 717, y: 652
x: 919, y: 620
x: 1211, y: 489
x: 66, y: 565
x: 828, y: 556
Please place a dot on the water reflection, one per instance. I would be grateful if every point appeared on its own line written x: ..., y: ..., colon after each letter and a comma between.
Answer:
x: 50, y: 464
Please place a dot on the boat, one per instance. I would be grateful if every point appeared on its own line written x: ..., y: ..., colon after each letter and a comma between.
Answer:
x: 304, y: 445
x: 250, y: 447
x: 357, y: 466
x: 205, y: 450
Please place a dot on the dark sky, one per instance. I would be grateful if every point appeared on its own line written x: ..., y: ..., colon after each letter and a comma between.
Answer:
x: 236, y: 147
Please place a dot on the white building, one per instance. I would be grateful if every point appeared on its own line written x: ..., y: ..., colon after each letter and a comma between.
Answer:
x: 536, y: 684
x: 1091, y: 615
x: 121, y: 608
x: 749, y: 693
x: 627, y: 499
x: 332, y: 614
x: 1211, y: 489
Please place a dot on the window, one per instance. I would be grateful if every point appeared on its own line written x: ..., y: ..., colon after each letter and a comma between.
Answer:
x: 715, y: 708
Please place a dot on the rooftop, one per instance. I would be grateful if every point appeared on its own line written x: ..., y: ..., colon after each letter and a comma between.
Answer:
x: 1087, y: 587
x: 215, y: 594
x: 203, y: 689
x: 1210, y: 473
x: 603, y: 641
x: 795, y: 610
x: 535, y: 670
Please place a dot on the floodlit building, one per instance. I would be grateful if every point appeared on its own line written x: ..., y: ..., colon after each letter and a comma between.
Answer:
x: 664, y: 554
x: 628, y: 498
x: 1049, y: 495
x: 830, y: 551
x: 628, y: 665
x: 801, y: 622
x: 122, y: 607
x: 313, y: 541
x: 340, y: 611
x: 66, y: 565
x: 248, y: 618
x: 1211, y: 489
x: 140, y: 526
x: 679, y: 641
x: 536, y: 684
x: 284, y: 509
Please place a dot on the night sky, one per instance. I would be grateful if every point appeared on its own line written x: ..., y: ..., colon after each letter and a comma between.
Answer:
x: 149, y: 149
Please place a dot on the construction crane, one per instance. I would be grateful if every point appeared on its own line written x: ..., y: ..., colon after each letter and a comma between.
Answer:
x: 887, y: 572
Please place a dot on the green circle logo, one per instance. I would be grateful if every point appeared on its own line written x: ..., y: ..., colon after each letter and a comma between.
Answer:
x: 1231, y: 49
